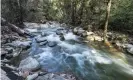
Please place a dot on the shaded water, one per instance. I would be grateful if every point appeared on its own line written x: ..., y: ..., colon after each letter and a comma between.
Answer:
x: 72, y: 55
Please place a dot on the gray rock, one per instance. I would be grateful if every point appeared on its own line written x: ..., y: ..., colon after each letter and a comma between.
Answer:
x: 29, y: 64
x: 129, y: 48
x: 80, y: 31
x: 3, y: 52
x: 59, y: 31
x: 75, y: 30
x: 52, y: 76
x: 41, y: 39
x: 84, y: 34
x: 43, y: 43
x: 21, y: 43
x: 4, y: 75
x: 9, y: 50
x: 32, y: 77
x: 62, y: 38
x: 52, y: 44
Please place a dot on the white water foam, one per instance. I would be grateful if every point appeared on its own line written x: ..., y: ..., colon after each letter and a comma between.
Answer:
x: 70, y: 36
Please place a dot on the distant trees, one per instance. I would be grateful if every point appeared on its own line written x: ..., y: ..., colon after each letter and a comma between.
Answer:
x: 13, y: 10
x: 89, y: 14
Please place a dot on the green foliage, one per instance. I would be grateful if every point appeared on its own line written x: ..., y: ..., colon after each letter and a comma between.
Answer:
x: 122, y: 16
x: 85, y: 13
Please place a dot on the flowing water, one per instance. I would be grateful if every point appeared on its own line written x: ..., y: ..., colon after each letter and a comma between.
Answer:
x: 73, y: 55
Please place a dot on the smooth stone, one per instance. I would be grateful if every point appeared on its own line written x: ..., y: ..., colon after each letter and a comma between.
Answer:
x: 43, y: 43
x: 29, y: 64
x: 75, y: 30
x: 94, y: 38
x: 62, y: 38
x: 80, y: 31
x: 129, y: 48
x: 32, y: 77
x: 52, y: 44
x: 41, y: 39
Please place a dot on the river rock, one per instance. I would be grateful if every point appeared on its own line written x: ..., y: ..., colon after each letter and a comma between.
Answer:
x: 3, y: 75
x: 94, y: 38
x: 75, y: 30
x: 62, y: 38
x: 80, y: 31
x: 41, y: 39
x: 59, y: 31
x: 32, y: 77
x: 3, y: 52
x: 9, y: 56
x: 84, y: 34
x: 9, y: 50
x: 89, y: 33
x: 29, y: 64
x: 129, y: 48
x: 52, y: 76
x: 52, y: 44
x: 21, y: 43
x: 43, y: 43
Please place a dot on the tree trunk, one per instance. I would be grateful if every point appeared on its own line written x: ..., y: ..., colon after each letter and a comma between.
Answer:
x: 12, y: 27
x: 106, y: 20
x: 20, y: 17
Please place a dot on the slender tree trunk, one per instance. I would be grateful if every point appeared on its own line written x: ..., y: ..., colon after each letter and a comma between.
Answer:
x: 20, y: 20
x: 106, y: 20
x: 73, y: 15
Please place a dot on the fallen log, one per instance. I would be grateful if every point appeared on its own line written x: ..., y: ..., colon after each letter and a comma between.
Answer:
x: 12, y: 27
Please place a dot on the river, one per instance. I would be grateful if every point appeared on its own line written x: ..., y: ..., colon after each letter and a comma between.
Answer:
x: 77, y: 57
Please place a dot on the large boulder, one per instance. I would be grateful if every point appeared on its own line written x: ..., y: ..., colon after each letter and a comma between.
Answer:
x: 29, y: 64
